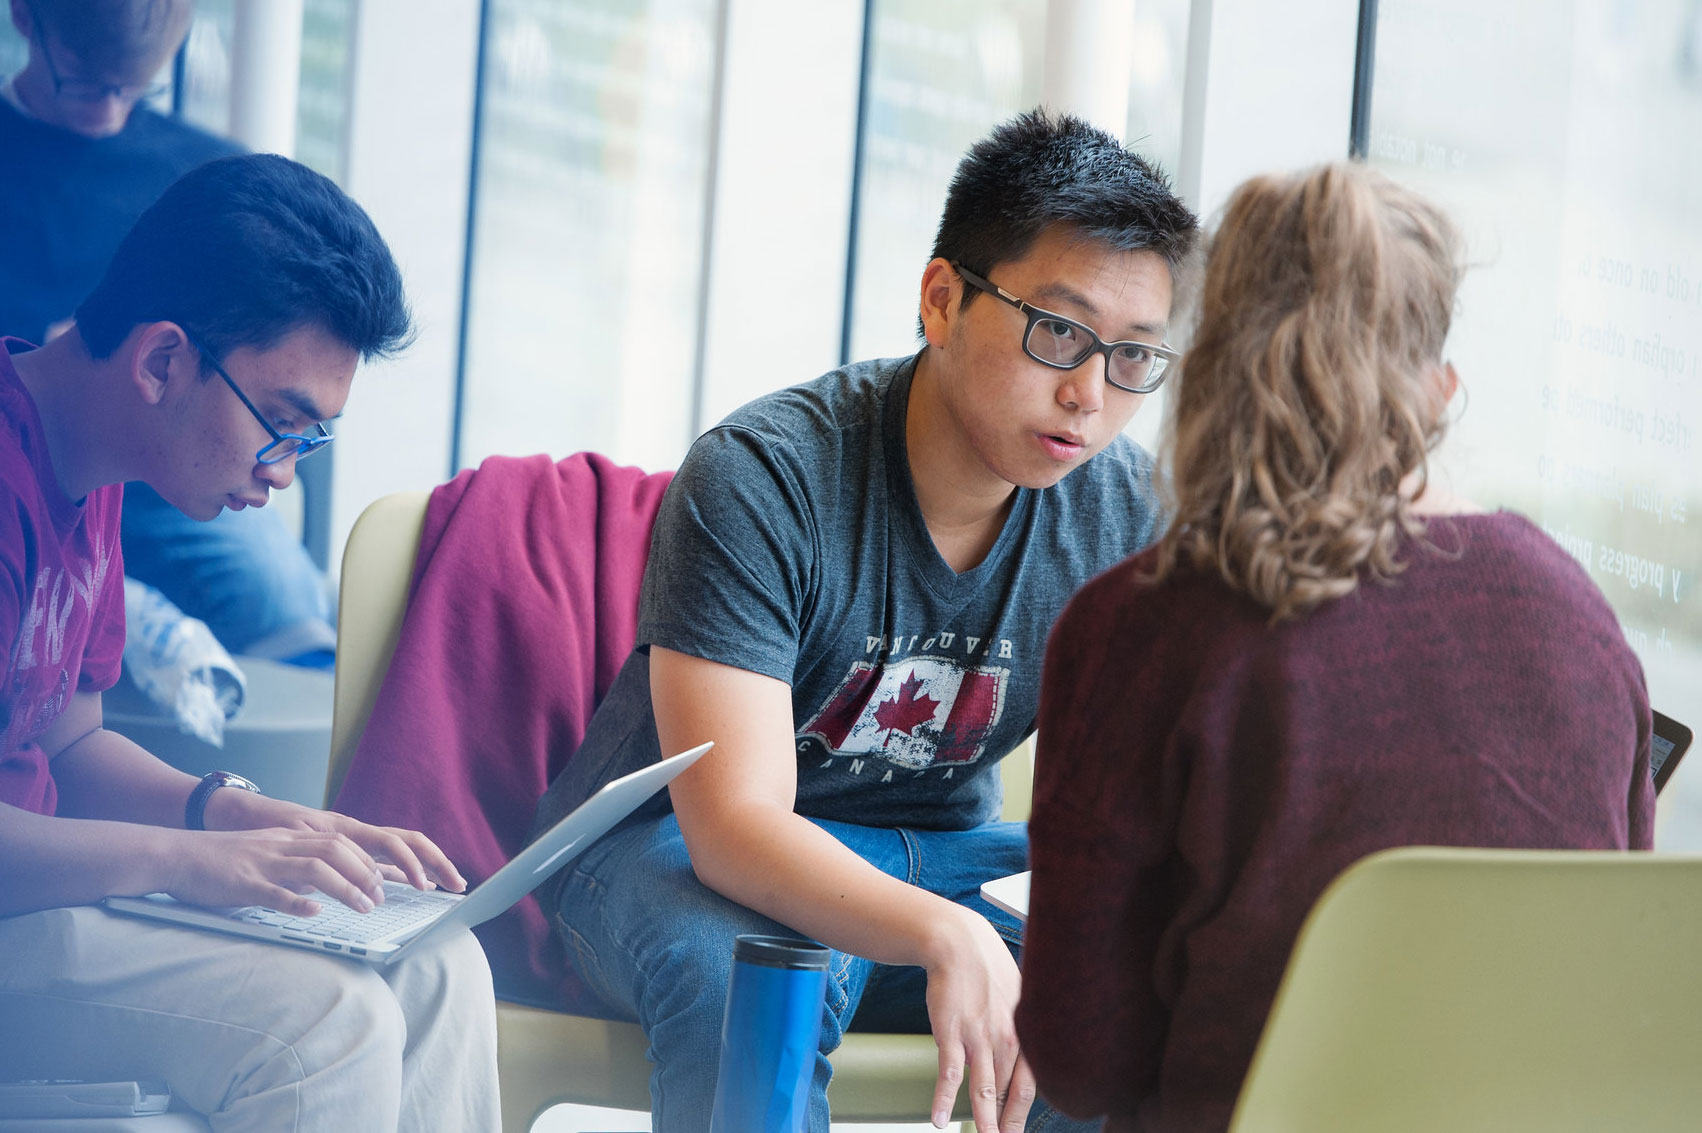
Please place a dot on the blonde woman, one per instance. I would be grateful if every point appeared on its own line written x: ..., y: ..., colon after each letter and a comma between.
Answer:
x: 1327, y: 655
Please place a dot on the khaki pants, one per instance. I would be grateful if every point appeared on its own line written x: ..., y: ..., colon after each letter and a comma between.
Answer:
x: 254, y: 1036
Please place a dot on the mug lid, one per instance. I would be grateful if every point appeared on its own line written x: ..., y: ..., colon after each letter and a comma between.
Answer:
x: 781, y: 952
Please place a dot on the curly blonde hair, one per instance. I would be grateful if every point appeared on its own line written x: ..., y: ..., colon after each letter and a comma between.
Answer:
x: 1308, y: 394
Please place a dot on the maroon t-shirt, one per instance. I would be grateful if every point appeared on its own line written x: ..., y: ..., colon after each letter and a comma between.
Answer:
x: 61, y: 593
x: 1202, y: 776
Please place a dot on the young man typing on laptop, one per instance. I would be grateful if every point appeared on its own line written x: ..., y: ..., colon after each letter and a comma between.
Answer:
x: 849, y: 590
x: 225, y: 332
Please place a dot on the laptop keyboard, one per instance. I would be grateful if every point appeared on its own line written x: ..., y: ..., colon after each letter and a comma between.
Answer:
x: 404, y: 907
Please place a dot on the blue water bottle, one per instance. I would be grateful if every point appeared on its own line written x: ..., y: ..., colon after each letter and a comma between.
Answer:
x: 770, y: 1035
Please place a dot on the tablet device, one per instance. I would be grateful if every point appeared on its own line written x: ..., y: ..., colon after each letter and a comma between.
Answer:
x: 1666, y: 747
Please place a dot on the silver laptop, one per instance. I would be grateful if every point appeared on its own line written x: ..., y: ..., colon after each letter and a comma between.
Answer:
x: 409, y: 916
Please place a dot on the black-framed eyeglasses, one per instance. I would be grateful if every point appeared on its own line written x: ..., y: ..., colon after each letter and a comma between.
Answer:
x: 1053, y: 340
x: 283, y: 445
x: 88, y: 90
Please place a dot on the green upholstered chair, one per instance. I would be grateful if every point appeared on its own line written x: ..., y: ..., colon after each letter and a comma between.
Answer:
x: 1469, y: 990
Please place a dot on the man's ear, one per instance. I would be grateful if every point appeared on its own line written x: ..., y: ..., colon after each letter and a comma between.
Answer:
x: 158, y: 353
x: 940, y: 287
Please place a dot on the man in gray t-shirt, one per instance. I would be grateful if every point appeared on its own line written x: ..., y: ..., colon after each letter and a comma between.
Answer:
x: 849, y: 590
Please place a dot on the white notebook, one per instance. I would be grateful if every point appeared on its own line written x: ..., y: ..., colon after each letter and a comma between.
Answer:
x: 1009, y: 893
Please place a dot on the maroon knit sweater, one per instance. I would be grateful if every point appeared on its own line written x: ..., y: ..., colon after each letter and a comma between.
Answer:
x: 1202, y: 776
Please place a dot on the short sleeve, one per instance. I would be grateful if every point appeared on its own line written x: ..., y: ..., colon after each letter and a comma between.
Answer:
x: 13, y: 589
x: 732, y: 559
x: 103, y: 655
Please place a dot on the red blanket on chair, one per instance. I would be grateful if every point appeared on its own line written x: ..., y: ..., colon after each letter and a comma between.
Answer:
x: 523, y: 607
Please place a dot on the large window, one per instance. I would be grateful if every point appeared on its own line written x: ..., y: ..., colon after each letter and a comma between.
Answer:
x: 589, y: 215
x: 1579, y: 339
x: 14, y: 52
x: 941, y: 74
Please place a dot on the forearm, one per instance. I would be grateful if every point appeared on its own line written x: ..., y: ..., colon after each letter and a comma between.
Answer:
x: 50, y: 862
x: 735, y: 810
x: 105, y: 775
x: 789, y: 869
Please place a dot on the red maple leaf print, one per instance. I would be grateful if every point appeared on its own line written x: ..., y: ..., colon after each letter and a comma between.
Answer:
x: 907, y: 711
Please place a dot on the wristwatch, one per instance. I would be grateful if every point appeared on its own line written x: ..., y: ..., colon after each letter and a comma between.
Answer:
x: 195, y: 814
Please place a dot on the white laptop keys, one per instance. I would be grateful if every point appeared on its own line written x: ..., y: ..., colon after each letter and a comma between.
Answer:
x: 408, y: 915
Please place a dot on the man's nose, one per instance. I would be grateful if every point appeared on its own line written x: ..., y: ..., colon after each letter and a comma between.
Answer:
x: 108, y: 114
x: 278, y: 475
x: 1083, y: 388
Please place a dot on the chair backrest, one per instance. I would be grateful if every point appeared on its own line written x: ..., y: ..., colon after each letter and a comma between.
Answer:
x: 1489, y: 990
x: 378, y: 564
x: 1017, y: 772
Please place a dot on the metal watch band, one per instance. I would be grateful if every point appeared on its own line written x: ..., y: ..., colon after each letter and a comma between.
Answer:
x: 195, y: 812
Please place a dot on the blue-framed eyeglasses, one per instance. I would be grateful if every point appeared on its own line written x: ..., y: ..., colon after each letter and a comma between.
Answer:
x: 1053, y: 340
x: 283, y: 445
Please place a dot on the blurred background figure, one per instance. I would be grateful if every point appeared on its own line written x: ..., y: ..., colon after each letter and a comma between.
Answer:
x: 86, y: 155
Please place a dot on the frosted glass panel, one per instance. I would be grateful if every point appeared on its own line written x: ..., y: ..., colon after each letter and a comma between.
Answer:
x: 1561, y: 136
x: 588, y: 228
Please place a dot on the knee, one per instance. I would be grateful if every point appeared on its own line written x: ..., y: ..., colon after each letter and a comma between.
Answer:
x: 680, y: 965
x: 452, y: 976
x: 361, y: 1023
x: 337, y: 1041
x: 690, y: 974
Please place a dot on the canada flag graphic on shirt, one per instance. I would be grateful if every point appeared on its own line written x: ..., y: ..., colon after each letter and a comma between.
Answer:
x: 915, y: 713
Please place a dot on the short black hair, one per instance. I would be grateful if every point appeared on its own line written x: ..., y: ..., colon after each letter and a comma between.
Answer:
x: 1039, y: 170
x: 243, y: 250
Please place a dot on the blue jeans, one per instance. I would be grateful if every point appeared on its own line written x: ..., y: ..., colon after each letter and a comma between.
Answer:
x: 656, y: 946
x: 243, y: 573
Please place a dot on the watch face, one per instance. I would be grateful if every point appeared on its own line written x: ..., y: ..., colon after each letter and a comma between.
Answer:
x: 231, y: 779
x: 195, y: 811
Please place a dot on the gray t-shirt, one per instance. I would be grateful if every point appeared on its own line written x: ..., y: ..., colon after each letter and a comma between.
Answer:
x: 791, y: 544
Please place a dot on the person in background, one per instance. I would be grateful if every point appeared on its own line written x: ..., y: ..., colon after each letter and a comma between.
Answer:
x: 849, y: 588
x: 85, y: 155
x: 225, y: 331
x: 1328, y: 654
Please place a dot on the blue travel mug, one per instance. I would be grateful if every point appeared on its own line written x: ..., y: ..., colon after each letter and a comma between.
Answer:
x: 770, y: 1035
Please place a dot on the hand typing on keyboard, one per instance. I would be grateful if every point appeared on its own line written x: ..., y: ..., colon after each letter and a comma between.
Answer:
x: 403, y: 907
x: 294, y: 860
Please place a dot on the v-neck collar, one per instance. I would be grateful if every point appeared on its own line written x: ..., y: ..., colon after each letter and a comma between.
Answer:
x: 905, y: 509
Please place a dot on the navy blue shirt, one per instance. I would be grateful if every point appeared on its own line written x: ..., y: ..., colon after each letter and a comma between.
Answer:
x: 66, y: 202
x: 791, y: 544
